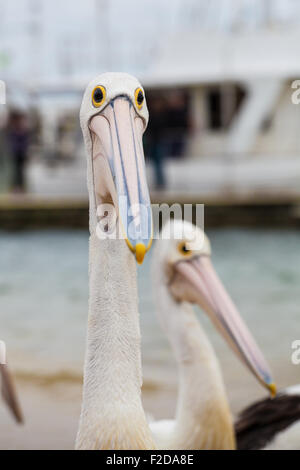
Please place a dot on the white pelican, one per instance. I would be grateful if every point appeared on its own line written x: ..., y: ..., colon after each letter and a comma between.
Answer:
x: 9, y: 393
x: 182, y: 275
x: 113, y: 118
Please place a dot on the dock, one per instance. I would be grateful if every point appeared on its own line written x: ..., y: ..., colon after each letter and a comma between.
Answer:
x: 28, y: 212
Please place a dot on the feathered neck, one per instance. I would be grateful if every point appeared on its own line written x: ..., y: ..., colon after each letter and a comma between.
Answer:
x: 112, y: 415
x: 203, y: 418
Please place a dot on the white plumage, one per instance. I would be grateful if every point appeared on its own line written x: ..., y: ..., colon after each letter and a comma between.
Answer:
x: 112, y: 415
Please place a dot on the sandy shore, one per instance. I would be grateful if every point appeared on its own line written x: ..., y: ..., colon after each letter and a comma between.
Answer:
x: 51, y: 418
x: 51, y: 415
x: 52, y: 410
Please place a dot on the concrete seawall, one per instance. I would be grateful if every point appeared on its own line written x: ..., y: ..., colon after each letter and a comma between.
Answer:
x: 27, y: 212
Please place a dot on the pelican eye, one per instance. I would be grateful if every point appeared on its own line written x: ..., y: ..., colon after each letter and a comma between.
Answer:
x: 139, y: 98
x: 98, y: 96
x: 183, y: 249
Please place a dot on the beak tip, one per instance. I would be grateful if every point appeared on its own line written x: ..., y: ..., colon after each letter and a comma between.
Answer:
x: 140, y: 252
x: 273, y: 390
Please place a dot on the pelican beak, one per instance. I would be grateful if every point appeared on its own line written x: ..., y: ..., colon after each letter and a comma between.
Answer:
x: 9, y: 393
x: 119, y: 172
x: 209, y: 293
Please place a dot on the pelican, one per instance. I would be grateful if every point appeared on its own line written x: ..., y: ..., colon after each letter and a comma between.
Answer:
x: 271, y: 424
x: 113, y: 118
x: 9, y: 393
x: 183, y: 275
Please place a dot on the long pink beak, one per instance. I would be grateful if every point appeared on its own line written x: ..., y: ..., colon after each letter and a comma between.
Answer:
x: 119, y: 171
x: 211, y: 295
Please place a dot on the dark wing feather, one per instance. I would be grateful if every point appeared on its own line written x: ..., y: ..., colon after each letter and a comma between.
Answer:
x: 9, y: 393
x: 258, y: 424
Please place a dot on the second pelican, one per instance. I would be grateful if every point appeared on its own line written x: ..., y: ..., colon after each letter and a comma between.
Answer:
x: 183, y: 275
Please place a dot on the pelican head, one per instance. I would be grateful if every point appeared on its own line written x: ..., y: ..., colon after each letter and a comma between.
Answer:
x: 185, y: 253
x: 113, y: 118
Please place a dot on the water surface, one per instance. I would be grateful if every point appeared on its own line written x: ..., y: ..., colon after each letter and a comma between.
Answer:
x: 44, y: 296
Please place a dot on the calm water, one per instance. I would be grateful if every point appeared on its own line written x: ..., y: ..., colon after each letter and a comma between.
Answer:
x: 43, y: 298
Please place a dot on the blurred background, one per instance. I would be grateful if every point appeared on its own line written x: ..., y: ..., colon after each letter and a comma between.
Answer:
x: 223, y: 131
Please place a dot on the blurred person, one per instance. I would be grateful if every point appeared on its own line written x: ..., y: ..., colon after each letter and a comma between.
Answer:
x: 155, y: 135
x: 2, y: 148
x: 3, y: 151
x: 18, y: 141
x: 177, y: 121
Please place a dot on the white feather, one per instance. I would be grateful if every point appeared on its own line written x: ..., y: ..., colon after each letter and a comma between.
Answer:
x: 289, y: 439
x: 293, y: 390
x: 162, y: 430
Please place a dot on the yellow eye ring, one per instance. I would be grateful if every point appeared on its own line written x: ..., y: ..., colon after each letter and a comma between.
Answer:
x: 139, y: 98
x: 181, y: 247
x: 98, y: 96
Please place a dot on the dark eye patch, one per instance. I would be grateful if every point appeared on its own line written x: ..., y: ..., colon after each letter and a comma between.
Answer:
x: 98, y: 95
x: 140, y: 97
